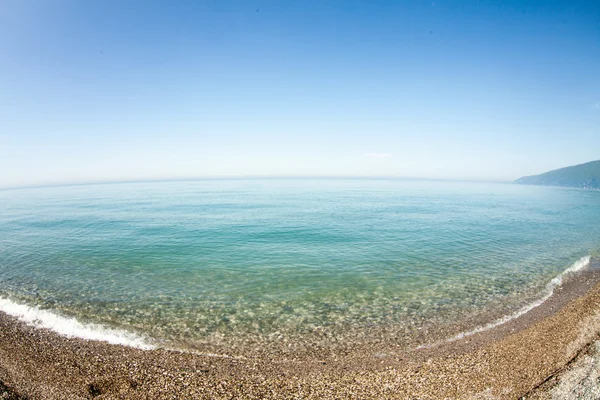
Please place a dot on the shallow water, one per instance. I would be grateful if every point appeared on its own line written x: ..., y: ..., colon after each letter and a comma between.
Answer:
x: 232, y: 261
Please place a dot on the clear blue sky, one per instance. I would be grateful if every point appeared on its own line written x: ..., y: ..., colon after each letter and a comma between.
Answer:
x: 125, y: 90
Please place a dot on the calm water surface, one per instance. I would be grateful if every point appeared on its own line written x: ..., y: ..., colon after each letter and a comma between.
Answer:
x: 228, y: 261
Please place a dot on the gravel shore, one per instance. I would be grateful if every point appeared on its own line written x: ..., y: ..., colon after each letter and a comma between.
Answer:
x: 522, y: 358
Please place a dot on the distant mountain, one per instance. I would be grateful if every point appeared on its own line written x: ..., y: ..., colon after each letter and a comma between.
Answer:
x: 584, y: 176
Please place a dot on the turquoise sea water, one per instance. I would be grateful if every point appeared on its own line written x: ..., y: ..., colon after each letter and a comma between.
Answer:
x: 239, y: 261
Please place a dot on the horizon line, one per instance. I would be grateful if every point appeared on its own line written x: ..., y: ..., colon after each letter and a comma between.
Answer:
x: 250, y: 177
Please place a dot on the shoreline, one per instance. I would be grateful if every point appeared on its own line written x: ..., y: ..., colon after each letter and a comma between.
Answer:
x: 508, y: 361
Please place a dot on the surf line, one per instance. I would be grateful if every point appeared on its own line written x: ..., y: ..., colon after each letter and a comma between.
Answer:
x: 578, y: 265
x: 71, y: 327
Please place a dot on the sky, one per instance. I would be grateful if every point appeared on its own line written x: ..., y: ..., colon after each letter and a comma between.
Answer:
x: 135, y: 90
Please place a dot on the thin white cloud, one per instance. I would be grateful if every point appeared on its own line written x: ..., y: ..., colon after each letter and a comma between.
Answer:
x: 596, y: 106
x: 378, y: 155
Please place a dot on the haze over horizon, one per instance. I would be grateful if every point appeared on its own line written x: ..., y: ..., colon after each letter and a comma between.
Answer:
x: 474, y: 90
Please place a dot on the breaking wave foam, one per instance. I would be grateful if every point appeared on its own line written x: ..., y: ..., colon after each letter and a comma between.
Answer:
x: 70, y: 327
x: 548, y: 292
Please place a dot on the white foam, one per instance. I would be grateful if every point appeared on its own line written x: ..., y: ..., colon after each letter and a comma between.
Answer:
x: 548, y: 292
x: 70, y: 327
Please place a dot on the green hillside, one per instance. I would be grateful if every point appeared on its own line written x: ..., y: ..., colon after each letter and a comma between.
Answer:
x: 584, y: 176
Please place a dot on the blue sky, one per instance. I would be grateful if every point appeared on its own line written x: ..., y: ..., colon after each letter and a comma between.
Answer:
x: 125, y: 90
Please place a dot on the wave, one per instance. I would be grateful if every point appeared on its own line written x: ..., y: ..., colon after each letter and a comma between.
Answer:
x: 578, y: 265
x: 70, y: 327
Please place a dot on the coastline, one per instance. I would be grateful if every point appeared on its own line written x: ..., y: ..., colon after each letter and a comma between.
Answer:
x: 516, y: 359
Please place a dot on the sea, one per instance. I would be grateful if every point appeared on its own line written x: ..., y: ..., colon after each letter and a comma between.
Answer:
x: 259, y: 263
